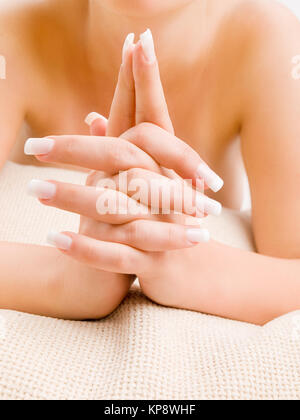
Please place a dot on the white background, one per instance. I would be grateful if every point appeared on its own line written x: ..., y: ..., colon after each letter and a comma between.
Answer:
x: 293, y: 4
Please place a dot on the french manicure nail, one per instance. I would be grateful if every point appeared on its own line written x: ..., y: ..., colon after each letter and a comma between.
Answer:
x: 212, y: 180
x: 207, y: 205
x: 93, y: 116
x: 59, y: 240
x: 128, y: 41
x: 197, y: 235
x: 148, y: 46
x: 41, y: 146
x: 41, y: 189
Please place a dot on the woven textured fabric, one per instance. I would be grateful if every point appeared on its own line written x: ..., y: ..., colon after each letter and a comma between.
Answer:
x: 142, y: 351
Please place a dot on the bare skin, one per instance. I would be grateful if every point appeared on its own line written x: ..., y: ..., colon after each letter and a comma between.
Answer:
x: 71, y: 86
x: 235, y: 81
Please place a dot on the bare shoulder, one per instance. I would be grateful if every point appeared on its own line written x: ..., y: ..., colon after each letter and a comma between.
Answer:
x: 16, y: 20
x: 16, y: 63
x: 33, y: 35
x: 262, y: 41
x: 16, y: 40
x: 249, y: 23
x: 265, y: 19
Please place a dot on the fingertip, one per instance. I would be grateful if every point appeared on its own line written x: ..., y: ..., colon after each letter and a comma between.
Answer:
x: 211, y: 179
x: 139, y: 55
x: 62, y: 241
x: 94, y: 116
x: 129, y: 42
x: 196, y: 236
x: 43, y: 190
x: 98, y: 128
x: 38, y: 146
x: 130, y: 52
x: 147, y: 44
x: 97, y: 123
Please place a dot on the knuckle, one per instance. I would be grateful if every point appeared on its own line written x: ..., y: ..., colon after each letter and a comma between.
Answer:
x: 84, y: 227
x: 90, y: 228
x: 92, y: 179
x: 90, y: 253
x: 141, y: 132
x: 143, y: 126
x: 171, y: 234
x: 128, y: 155
x: 70, y: 144
x: 70, y: 195
x: 184, y: 152
x: 139, y: 232
x: 134, y: 173
x: 117, y: 156
x: 122, y: 261
x: 125, y: 260
x: 133, y: 231
x: 187, y: 154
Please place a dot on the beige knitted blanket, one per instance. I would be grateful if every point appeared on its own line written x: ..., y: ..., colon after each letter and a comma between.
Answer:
x: 142, y: 351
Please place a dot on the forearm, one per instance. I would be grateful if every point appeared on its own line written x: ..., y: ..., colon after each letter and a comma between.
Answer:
x: 245, y: 286
x: 40, y: 280
x: 27, y: 273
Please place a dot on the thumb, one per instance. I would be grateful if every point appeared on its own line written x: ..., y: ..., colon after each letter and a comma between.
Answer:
x: 97, y: 124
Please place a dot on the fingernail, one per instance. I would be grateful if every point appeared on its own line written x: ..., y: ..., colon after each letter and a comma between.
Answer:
x: 38, y: 146
x: 148, y: 46
x: 207, y: 205
x: 59, y: 240
x: 212, y: 180
x: 93, y: 116
x: 197, y: 235
x: 128, y: 41
x: 41, y: 189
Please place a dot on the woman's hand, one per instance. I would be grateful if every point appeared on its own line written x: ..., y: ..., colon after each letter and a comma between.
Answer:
x: 141, y: 240
x: 76, y: 290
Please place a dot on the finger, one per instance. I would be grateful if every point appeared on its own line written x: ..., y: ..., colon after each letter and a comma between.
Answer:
x: 164, y: 194
x: 100, y: 204
x: 97, y: 124
x: 96, y: 153
x: 173, y: 153
x: 106, y: 256
x: 122, y: 113
x: 151, y: 104
x: 151, y: 236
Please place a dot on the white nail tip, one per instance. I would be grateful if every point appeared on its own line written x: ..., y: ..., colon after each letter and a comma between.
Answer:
x: 93, y: 116
x: 207, y: 205
x: 38, y: 146
x: 41, y: 189
x: 198, y: 235
x: 212, y: 180
x: 148, y: 46
x: 59, y: 240
x: 128, y: 41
